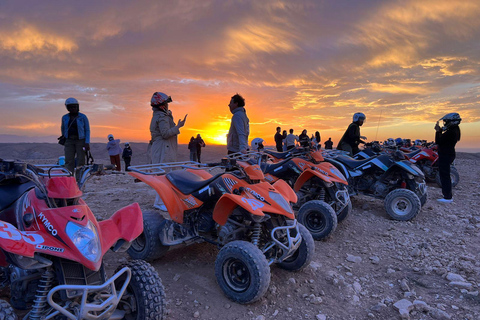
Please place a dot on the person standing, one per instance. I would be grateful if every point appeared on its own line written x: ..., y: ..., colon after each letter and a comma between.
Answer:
x: 76, y: 129
x: 304, y: 139
x: 114, y: 151
x: 127, y: 155
x: 199, y: 144
x: 164, y: 134
x: 192, y: 146
x: 284, y: 137
x: 291, y: 140
x: 278, y: 140
x: 237, y: 138
x: 352, y: 138
x: 318, y: 140
x: 446, y: 138
x: 329, y: 144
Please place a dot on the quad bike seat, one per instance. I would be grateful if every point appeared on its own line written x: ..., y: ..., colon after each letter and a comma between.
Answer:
x: 11, y: 192
x: 351, y: 163
x: 413, y: 153
x: 272, y: 168
x: 188, y: 182
x: 280, y: 155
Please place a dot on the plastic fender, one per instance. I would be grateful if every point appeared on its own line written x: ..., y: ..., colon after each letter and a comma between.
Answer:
x: 334, y: 174
x: 307, y: 175
x: 18, y: 242
x: 401, y: 165
x: 63, y: 187
x: 228, y: 202
x: 166, y: 193
x: 286, y: 191
x: 202, y: 173
x: 317, y: 156
x: 126, y: 224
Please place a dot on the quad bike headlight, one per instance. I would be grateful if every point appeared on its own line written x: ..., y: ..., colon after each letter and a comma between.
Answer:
x: 85, y: 239
x: 280, y: 200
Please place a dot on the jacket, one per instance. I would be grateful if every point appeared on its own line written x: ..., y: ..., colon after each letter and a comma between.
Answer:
x: 113, y: 147
x: 237, y: 138
x: 127, y: 153
x: 351, y: 136
x: 164, y: 136
x: 82, y: 124
x: 447, y: 140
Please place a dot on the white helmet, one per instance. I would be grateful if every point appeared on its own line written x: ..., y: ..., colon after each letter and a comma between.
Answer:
x: 110, y: 136
x: 127, y: 144
x: 359, y: 116
x: 390, y: 142
x: 257, y: 144
x: 451, y: 119
x: 70, y: 101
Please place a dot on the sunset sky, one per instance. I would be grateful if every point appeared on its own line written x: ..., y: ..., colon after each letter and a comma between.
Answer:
x: 299, y: 64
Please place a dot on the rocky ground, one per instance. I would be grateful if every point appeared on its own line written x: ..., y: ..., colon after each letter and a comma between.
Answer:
x: 371, y: 268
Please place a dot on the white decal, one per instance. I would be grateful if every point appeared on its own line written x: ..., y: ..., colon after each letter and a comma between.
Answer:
x: 255, y: 194
x: 54, y: 249
x: 47, y: 224
x: 255, y: 204
x: 8, y: 231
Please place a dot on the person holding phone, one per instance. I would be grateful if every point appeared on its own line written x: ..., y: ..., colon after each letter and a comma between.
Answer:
x: 163, y: 145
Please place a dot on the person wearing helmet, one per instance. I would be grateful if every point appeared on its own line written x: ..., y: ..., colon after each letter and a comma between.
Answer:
x: 352, y: 138
x: 76, y: 129
x: 114, y: 150
x: 163, y: 130
x: 163, y: 145
x: 127, y: 155
x: 446, y: 138
x: 237, y: 138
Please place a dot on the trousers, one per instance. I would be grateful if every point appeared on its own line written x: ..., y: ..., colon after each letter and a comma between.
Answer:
x: 444, y: 163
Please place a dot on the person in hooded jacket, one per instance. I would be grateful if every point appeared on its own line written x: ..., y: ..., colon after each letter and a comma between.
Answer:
x: 114, y: 151
x: 127, y: 155
x: 446, y: 138
x: 352, y: 138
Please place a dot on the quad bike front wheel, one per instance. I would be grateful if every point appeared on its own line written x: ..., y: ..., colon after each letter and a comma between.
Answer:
x: 402, y: 204
x: 345, y: 212
x: 303, y: 255
x: 319, y: 218
x: 147, y: 246
x: 6, y: 311
x: 454, y: 176
x: 144, y: 298
x: 242, y: 272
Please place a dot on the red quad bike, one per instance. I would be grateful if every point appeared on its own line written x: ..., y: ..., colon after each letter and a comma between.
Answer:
x: 252, y: 221
x: 426, y: 159
x: 52, y: 249
x: 323, y: 198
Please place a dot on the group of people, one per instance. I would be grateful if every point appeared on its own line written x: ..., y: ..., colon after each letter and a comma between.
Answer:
x: 164, y: 131
x: 195, y: 146
x: 285, y: 142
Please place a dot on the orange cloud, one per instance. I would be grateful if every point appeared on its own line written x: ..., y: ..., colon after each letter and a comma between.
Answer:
x: 30, y: 39
x: 34, y: 126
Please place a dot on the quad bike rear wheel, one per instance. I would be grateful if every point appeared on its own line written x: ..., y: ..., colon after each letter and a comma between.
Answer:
x: 147, y: 246
x: 6, y: 311
x: 303, y: 255
x: 454, y: 176
x: 319, y: 218
x: 144, y: 297
x: 402, y: 204
x: 242, y: 272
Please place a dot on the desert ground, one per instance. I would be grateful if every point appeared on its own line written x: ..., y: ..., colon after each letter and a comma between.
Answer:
x: 362, y: 271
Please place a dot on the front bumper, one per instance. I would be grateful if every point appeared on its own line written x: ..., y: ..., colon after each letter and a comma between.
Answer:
x: 105, y: 305
x: 287, y: 239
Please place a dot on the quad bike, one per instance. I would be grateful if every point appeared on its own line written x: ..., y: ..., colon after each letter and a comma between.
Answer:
x: 252, y: 221
x: 52, y: 250
x: 398, y: 181
x: 323, y: 198
x: 425, y: 157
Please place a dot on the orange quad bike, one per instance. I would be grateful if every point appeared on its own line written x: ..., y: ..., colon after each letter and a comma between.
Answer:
x: 252, y: 221
x: 323, y: 198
